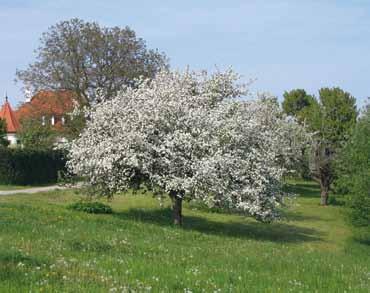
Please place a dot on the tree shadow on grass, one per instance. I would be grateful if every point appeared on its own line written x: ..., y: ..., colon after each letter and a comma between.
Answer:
x: 307, y: 190
x: 298, y: 216
x: 15, y: 257
x: 252, y: 230
x: 9, y: 262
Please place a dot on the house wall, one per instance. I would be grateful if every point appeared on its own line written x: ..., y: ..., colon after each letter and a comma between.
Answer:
x: 12, y: 138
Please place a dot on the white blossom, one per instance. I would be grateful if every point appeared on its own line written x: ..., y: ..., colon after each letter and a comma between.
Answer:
x: 192, y: 134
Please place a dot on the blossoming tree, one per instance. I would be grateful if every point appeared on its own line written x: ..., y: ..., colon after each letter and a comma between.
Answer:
x: 190, y: 136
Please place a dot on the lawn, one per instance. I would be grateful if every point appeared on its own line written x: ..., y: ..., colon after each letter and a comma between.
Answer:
x: 45, y: 247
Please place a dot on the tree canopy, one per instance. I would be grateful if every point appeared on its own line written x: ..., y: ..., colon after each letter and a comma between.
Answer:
x: 188, y: 136
x: 353, y: 168
x: 83, y: 57
x: 295, y: 101
x: 334, y: 116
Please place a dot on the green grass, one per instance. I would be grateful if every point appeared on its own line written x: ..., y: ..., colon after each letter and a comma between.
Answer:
x: 45, y: 247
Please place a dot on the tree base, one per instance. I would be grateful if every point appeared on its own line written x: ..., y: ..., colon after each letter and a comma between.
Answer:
x: 324, y: 199
x: 176, y: 209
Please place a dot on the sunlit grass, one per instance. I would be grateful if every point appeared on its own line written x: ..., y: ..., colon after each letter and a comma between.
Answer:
x: 46, y: 247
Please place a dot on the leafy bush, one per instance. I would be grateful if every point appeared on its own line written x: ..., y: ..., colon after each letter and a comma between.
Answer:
x: 91, y: 207
x: 360, y: 201
x: 30, y: 167
x: 34, y: 135
x: 3, y: 141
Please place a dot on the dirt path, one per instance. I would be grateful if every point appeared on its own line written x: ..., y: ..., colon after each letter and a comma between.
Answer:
x: 31, y: 190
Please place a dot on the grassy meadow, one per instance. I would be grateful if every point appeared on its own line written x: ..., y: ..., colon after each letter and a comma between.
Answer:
x: 45, y: 247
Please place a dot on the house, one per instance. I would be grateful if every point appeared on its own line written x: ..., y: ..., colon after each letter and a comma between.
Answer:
x: 49, y: 107
x: 12, y: 123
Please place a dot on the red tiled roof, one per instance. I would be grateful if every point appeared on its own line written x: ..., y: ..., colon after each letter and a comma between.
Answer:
x: 10, y: 118
x: 47, y: 103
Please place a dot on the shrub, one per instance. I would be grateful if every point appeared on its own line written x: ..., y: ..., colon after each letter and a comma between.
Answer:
x: 3, y: 141
x: 30, y: 167
x: 360, y: 200
x: 91, y: 207
x: 33, y: 134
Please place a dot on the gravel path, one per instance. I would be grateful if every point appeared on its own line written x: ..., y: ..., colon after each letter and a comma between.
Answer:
x: 31, y: 190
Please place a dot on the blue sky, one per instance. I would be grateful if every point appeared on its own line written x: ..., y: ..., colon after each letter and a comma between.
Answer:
x: 282, y: 44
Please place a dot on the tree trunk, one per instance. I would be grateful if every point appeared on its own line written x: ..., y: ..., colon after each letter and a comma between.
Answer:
x: 323, y: 170
x: 324, y: 188
x: 176, y: 208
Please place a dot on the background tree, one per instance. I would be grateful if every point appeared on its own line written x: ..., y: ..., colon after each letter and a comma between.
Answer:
x: 353, y: 170
x: 83, y: 57
x: 295, y: 101
x: 3, y: 141
x: 189, y: 138
x: 32, y: 134
x: 332, y: 119
x: 75, y: 123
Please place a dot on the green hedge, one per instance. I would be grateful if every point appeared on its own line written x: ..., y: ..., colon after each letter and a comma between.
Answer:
x: 30, y: 167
